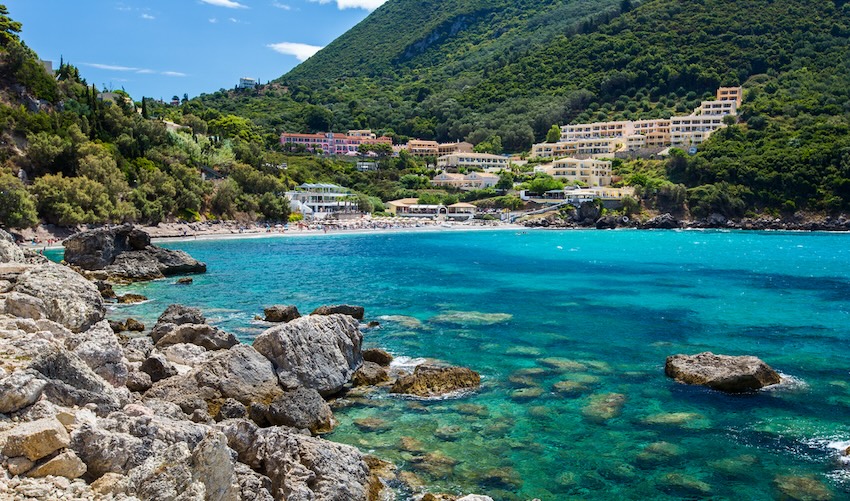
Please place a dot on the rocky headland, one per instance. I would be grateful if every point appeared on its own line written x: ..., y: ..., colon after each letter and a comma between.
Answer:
x: 183, y: 411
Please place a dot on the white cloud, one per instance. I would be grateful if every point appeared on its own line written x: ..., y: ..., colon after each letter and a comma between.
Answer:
x: 110, y: 67
x: 301, y: 51
x: 282, y: 6
x: 354, y: 4
x: 230, y: 4
x: 145, y: 72
x: 174, y: 74
x: 148, y: 17
x: 213, y: 20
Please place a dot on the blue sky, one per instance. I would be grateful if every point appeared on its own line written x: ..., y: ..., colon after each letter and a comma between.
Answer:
x: 161, y: 48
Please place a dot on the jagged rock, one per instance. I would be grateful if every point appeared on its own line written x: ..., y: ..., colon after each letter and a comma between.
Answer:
x: 138, y: 349
x: 318, y: 352
x: 77, y: 304
x: 301, y: 408
x: 721, y: 372
x: 66, y: 464
x: 104, y: 451
x: 252, y: 485
x: 98, y: 347
x: 377, y: 356
x: 207, y: 336
x: 212, y: 465
x: 231, y: 409
x: 10, y: 252
x: 105, y: 288
x: 239, y: 373
x: 19, y: 390
x: 429, y: 381
x: 117, y: 326
x: 71, y: 382
x: 36, y: 439
x: 178, y: 314
x: 662, y: 222
x: 607, y: 223
x: 281, y: 313
x: 19, y: 465
x: 190, y: 355
x: 158, y: 367
x: 24, y: 306
x: 111, y: 484
x: 125, y: 252
x: 167, y: 475
x: 299, y: 466
x: 131, y: 298
x: 370, y: 374
x: 139, y: 381
x: 588, y: 212
x: 134, y: 325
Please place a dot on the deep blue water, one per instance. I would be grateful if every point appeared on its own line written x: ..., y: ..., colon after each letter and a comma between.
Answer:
x: 597, y: 312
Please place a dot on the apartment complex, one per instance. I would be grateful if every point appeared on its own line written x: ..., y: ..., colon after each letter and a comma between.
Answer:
x: 471, y: 181
x: 472, y: 161
x: 606, y: 138
x: 450, y: 148
x: 592, y: 172
x: 334, y: 143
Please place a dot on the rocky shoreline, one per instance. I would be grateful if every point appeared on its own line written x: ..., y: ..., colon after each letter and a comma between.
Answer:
x: 184, y: 411
x: 588, y: 215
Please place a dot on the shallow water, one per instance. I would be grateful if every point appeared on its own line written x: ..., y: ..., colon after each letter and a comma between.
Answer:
x: 570, y: 331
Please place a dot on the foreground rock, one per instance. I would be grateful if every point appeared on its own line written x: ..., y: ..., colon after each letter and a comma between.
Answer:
x: 68, y: 298
x: 318, y: 352
x: 721, y: 372
x: 126, y: 253
x: 430, y: 381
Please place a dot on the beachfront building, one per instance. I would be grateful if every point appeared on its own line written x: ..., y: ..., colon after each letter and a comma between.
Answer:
x: 333, y: 143
x: 589, y: 171
x: 477, y: 161
x: 601, y: 139
x: 470, y: 181
x: 410, y: 207
x: 320, y: 201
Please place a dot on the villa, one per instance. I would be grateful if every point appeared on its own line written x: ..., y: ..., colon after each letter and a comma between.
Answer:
x: 476, y: 161
x: 410, y: 207
x: 591, y: 172
x: 471, y: 181
x: 333, y: 143
x: 321, y: 201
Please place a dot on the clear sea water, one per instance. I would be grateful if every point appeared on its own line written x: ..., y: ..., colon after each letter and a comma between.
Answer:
x: 570, y: 330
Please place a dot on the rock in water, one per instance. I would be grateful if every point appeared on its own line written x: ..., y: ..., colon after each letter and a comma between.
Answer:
x: 370, y: 374
x: 378, y: 356
x: 76, y: 304
x: 126, y: 252
x: 178, y: 314
x: 341, y: 309
x: 318, y: 352
x: 281, y: 313
x: 721, y: 372
x: 430, y: 381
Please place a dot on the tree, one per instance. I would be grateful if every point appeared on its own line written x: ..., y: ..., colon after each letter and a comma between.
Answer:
x: 543, y: 183
x: 492, y: 145
x: 554, y: 134
x: 17, y: 207
x: 9, y: 29
x: 318, y: 118
x: 506, y: 181
x: 145, y: 108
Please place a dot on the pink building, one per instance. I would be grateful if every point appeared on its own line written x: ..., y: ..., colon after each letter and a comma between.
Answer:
x: 334, y: 143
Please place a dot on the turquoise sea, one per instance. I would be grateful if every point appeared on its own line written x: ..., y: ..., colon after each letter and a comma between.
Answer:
x: 570, y: 330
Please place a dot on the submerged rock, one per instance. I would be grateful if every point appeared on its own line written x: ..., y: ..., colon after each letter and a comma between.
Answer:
x: 318, y: 352
x: 471, y: 318
x: 429, y: 381
x: 802, y: 488
x: 601, y: 408
x: 131, y: 298
x: 126, y: 253
x: 178, y: 314
x: 721, y: 372
x: 341, y: 309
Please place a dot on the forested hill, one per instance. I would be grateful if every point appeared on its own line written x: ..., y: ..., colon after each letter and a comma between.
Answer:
x: 468, y: 70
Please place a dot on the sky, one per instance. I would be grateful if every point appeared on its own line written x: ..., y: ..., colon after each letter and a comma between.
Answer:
x: 162, y: 48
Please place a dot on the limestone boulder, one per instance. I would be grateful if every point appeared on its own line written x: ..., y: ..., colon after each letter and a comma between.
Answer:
x: 70, y: 382
x: 281, y: 313
x: 341, y: 309
x: 99, y: 348
x: 24, y: 306
x: 10, y: 252
x: 721, y: 372
x: 430, y: 381
x: 36, y: 439
x: 178, y: 314
x: 378, y: 356
x: 370, y: 374
x: 189, y: 355
x: 239, y: 373
x: 318, y: 352
x: 207, y: 336
x: 69, y: 299
x: 158, y: 367
x: 19, y: 390
x: 66, y: 464
x: 301, y: 408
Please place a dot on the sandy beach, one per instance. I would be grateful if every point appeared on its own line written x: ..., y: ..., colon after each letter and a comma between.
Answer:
x: 47, y: 237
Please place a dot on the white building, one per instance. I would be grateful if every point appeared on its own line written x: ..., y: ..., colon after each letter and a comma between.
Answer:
x: 247, y: 83
x: 471, y: 181
x: 472, y: 161
x: 319, y: 201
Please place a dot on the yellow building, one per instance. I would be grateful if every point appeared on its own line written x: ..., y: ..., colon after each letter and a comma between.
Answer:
x: 731, y: 94
x: 590, y: 171
x: 459, y: 147
x: 420, y: 148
